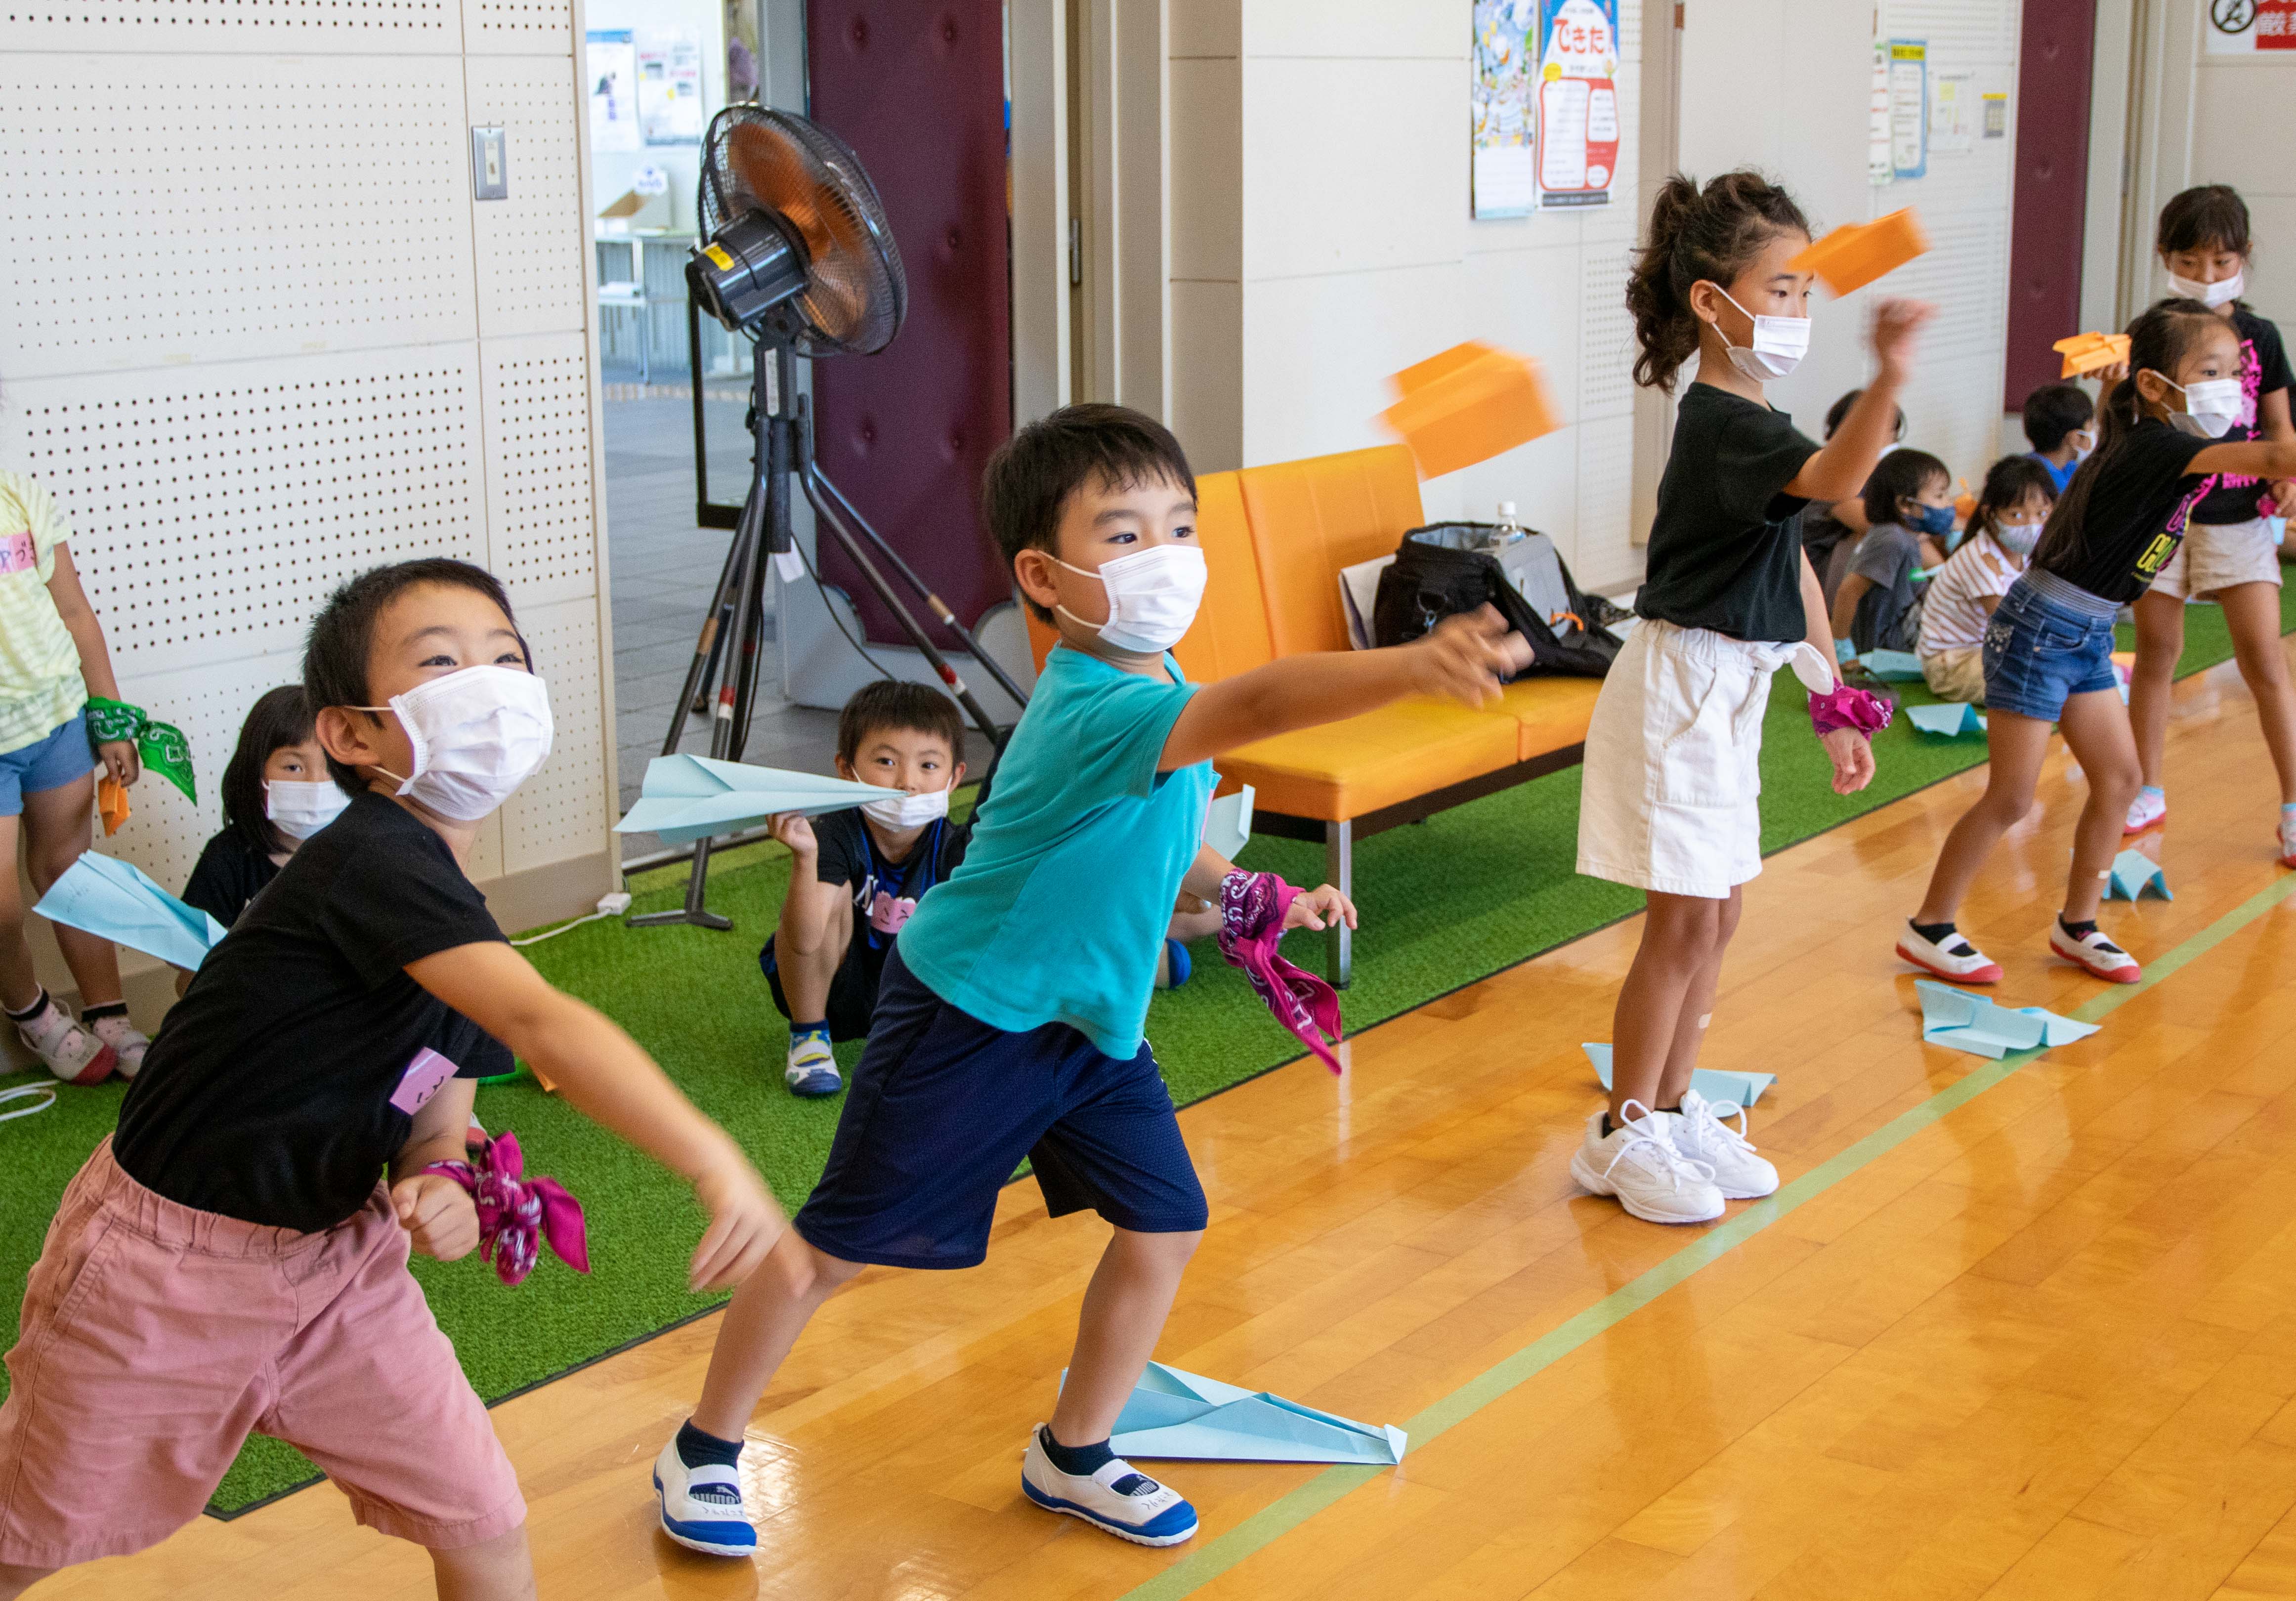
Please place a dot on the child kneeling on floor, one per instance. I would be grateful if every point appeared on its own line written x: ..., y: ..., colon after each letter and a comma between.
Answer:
x: 1010, y: 1021
x: 1908, y: 502
x: 2016, y: 500
x: 234, y: 1257
x: 856, y: 875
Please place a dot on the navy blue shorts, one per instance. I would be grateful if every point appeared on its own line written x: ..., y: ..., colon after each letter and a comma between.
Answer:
x: 941, y: 1109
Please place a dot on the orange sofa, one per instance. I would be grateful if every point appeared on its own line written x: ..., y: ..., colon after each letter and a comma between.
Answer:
x: 1275, y: 538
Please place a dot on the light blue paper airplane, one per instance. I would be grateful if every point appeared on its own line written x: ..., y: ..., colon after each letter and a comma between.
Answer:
x: 2133, y: 873
x: 688, y: 797
x: 115, y: 901
x: 1972, y: 1024
x: 1227, y: 822
x: 1950, y: 720
x: 1184, y: 1416
x: 1718, y: 1085
x: 1892, y: 667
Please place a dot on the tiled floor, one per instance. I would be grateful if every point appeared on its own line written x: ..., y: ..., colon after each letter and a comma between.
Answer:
x: 664, y: 570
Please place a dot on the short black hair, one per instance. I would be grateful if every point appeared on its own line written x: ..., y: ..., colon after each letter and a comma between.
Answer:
x: 279, y: 716
x: 340, y: 646
x: 1033, y: 473
x: 1897, y: 476
x: 896, y: 704
x: 1840, y: 410
x: 2054, y: 410
x: 2210, y: 218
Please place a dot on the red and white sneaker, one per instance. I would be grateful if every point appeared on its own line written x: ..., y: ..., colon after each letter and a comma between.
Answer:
x: 2150, y: 807
x: 2287, y: 838
x: 1953, y: 959
x: 72, y: 1054
x: 127, y: 1042
x: 2097, y: 953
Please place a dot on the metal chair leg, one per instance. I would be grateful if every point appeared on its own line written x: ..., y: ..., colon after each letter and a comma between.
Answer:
x: 1340, y: 872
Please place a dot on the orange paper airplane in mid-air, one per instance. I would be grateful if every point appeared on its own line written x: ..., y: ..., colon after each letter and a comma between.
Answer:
x: 1853, y: 255
x: 1469, y: 404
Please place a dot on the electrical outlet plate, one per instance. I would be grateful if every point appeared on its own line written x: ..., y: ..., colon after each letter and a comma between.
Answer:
x: 489, y: 165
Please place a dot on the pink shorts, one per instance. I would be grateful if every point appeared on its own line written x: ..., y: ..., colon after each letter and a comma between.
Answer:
x: 156, y: 1338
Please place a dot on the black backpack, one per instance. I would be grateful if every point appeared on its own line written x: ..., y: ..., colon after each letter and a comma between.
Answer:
x: 1440, y: 571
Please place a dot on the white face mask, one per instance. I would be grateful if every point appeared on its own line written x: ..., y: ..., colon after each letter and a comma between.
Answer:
x: 901, y: 810
x: 2212, y: 406
x: 2209, y: 294
x: 1780, y: 342
x: 478, y: 734
x: 1152, y: 597
x: 301, y: 809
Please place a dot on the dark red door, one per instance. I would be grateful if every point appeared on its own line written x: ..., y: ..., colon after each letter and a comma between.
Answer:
x: 2052, y: 191
x: 918, y: 90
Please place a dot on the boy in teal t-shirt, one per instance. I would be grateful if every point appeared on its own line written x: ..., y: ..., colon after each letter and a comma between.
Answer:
x: 1008, y: 1022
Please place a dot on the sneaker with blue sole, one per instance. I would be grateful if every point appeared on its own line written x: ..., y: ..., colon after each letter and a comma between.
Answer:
x: 702, y: 1507
x: 812, y: 1070
x: 1116, y: 1498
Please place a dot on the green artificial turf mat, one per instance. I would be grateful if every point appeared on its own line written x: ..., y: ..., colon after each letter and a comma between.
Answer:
x: 1467, y: 892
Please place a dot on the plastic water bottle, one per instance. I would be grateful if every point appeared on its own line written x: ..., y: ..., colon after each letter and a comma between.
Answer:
x: 1508, y: 529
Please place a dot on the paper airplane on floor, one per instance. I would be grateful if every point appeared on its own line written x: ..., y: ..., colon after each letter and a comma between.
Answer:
x: 1972, y: 1024
x: 115, y: 901
x: 1891, y: 666
x: 1950, y: 720
x: 2132, y: 874
x: 1184, y: 1416
x: 1718, y: 1085
x: 688, y: 797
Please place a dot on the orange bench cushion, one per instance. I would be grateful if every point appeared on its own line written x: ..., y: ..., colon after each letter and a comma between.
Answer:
x: 1345, y: 769
x: 1552, y: 713
x: 1308, y: 519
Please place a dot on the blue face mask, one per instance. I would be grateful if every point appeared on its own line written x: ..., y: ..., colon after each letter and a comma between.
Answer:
x: 1934, y: 519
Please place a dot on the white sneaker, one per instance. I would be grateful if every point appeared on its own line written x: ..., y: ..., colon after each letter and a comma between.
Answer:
x: 1953, y: 957
x: 2095, y: 952
x: 2287, y: 840
x: 72, y: 1054
x: 702, y: 1507
x: 2147, y: 809
x: 812, y: 1070
x: 1116, y: 1498
x: 1700, y: 1133
x: 1636, y: 1162
x: 127, y: 1042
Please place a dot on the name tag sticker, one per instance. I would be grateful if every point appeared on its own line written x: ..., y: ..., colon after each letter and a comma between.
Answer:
x: 17, y: 553
x: 420, y: 1080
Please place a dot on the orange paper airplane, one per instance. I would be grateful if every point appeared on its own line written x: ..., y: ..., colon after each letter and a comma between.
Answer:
x: 1853, y: 255
x: 110, y: 804
x: 1468, y: 404
x: 2087, y: 352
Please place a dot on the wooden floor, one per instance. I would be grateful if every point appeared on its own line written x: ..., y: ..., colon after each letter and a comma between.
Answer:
x: 2044, y: 1346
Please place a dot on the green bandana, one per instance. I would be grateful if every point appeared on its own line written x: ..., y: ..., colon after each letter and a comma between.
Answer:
x: 162, y: 745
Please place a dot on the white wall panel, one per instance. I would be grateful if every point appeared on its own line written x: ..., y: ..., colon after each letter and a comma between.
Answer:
x: 203, y: 207
x: 518, y: 27
x: 529, y: 246
x: 541, y: 520
x: 566, y: 801
x: 235, y: 26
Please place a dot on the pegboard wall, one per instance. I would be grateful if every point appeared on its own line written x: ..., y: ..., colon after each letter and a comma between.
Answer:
x: 257, y: 336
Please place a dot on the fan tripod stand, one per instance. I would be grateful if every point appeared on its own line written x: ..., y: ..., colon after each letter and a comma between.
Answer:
x: 726, y: 653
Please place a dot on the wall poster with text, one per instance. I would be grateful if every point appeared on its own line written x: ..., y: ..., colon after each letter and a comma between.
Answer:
x: 1578, y: 101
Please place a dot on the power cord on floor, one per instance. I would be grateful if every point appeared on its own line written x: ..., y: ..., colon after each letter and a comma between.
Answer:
x: 609, y: 906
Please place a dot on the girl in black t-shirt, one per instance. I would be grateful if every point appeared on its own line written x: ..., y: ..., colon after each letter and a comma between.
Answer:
x: 2049, y: 648
x: 2231, y: 552
x: 1669, y: 796
x: 276, y: 794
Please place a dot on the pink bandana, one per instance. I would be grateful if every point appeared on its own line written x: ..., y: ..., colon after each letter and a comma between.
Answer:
x: 1251, y: 922
x: 515, y: 1214
x: 1848, y: 708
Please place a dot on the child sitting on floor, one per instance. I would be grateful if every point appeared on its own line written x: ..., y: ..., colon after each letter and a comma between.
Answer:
x: 275, y: 795
x: 1826, y: 526
x: 856, y: 875
x: 1909, y: 506
x: 234, y: 1257
x: 2015, y: 503
x: 2060, y: 425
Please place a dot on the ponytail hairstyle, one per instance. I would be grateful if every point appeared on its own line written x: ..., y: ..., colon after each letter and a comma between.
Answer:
x: 2159, y: 340
x: 1711, y: 236
x: 2012, y: 482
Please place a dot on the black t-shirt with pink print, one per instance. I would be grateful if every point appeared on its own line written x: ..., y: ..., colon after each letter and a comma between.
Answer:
x: 2264, y: 368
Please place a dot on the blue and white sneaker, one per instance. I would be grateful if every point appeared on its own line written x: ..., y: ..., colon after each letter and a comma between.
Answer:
x: 702, y: 1507
x: 1117, y: 1497
x: 812, y: 1068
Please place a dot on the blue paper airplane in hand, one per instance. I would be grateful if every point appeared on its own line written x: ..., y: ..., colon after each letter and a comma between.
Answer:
x: 1718, y: 1085
x: 117, y: 900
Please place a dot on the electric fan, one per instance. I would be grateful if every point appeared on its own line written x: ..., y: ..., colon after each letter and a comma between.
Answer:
x: 797, y: 257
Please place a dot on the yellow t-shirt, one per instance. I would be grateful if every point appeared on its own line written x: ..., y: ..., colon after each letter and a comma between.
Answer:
x: 40, y: 684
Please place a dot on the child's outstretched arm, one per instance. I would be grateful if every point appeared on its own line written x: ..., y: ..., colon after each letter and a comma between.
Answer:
x: 1463, y: 659
x: 606, y: 1076
x: 1843, y: 465
x: 1315, y: 908
x: 2255, y: 458
x: 119, y: 755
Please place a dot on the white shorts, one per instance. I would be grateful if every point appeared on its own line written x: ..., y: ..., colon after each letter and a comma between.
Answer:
x: 2217, y: 556
x: 1670, y: 796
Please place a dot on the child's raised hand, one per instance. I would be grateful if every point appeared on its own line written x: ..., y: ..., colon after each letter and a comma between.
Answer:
x: 438, y: 1213
x: 1852, y: 754
x: 794, y: 830
x: 743, y: 1223
x: 1318, y: 908
x: 1898, y: 327
x: 2283, y: 497
x: 122, y: 760
x: 1465, y: 657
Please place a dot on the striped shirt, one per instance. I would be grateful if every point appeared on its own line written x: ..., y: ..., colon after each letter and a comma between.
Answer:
x: 1951, y: 616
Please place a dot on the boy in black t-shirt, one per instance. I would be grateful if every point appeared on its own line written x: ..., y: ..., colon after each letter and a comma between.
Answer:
x: 232, y: 1259
x: 858, y: 874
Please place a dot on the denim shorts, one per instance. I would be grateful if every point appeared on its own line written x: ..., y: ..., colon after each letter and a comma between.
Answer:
x: 2049, y: 640
x: 48, y: 763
